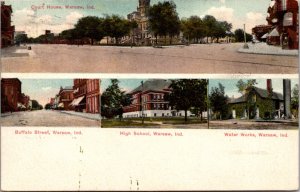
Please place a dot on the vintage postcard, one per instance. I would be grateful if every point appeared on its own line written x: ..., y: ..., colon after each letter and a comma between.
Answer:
x: 101, y: 95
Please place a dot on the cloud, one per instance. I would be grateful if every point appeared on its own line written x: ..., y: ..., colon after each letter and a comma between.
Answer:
x: 222, y: 13
x: 253, y: 19
x: 24, y: 20
x: 73, y: 17
x: 46, y: 88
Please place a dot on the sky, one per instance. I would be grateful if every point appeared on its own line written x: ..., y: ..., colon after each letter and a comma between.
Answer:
x: 232, y: 91
x: 33, y: 16
x: 229, y: 84
x: 43, y: 89
x: 126, y: 85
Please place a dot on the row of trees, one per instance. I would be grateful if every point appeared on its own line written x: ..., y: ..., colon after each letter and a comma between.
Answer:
x: 163, y: 22
x: 186, y: 94
x: 96, y: 28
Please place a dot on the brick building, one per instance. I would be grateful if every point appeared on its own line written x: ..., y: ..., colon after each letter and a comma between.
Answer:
x: 7, y: 30
x: 65, y: 98
x: 283, y: 17
x: 149, y: 100
x: 86, y: 95
x: 10, y: 94
x: 79, y: 102
x: 93, y: 96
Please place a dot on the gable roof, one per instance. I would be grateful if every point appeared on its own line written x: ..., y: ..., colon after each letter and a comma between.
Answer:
x: 263, y: 93
x: 153, y: 85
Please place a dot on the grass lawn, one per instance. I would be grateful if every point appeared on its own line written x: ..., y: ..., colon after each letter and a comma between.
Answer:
x: 105, y: 123
x: 150, y: 122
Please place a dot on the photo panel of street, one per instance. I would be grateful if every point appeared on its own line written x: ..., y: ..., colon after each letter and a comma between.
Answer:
x: 150, y: 36
x: 253, y: 104
x: 154, y: 103
x: 50, y: 102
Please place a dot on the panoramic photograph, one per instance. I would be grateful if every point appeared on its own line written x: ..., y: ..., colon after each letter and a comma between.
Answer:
x: 154, y: 103
x: 150, y: 36
x: 50, y: 102
x: 253, y: 104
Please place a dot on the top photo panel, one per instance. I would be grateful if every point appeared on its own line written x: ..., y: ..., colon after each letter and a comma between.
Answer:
x: 150, y: 36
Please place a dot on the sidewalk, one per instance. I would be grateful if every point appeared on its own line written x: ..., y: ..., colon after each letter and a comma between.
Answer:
x: 264, y: 49
x: 84, y: 115
x: 17, y: 51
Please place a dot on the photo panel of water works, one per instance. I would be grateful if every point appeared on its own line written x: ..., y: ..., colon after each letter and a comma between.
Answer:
x: 253, y: 104
x: 50, y: 102
x: 154, y: 103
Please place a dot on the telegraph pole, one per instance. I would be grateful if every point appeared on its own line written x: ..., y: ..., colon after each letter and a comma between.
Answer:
x: 245, y: 38
x: 142, y: 104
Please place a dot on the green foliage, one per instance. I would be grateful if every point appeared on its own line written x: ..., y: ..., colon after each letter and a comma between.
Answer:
x: 89, y: 27
x: 36, y: 105
x: 113, y: 100
x: 117, y: 27
x: 21, y: 38
x: 48, y: 106
x: 243, y: 86
x: 218, y: 101
x: 193, y: 28
x: 187, y: 94
x: 239, y: 36
x: 163, y: 19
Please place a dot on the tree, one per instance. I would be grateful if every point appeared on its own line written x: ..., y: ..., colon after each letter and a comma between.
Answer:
x: 193, y: 28
x: 218, y: 101
x: 187, y: 94
x: 35, y: 105
x: 221, y: 29
x: 21, y: 38
x: 243, y: 86
x: 239, y: 36
x: 113, y: 100
x: 89, y: 27
x: 295, y: 100
x: 210, y: 23
x: 48, y: 106
x: 117, y: 27
x: 164, y: 20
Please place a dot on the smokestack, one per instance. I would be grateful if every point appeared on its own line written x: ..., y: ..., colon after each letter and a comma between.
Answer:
x: 269, y: 86
x: 287, y: 98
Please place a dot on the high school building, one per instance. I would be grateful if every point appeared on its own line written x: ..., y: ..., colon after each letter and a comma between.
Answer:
x: 148, y: 100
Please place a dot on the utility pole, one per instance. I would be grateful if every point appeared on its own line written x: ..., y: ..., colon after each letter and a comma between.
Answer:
x: 245, y: 38
x: 142, y: 103
x: 208, y: 104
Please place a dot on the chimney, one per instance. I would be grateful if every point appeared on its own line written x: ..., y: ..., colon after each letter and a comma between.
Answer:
x: 269, y: 86
x: 287, y: 98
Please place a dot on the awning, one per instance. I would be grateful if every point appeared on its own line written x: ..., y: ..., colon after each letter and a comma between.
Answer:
x: 76, y: 102
x: 20, y: 105
x: 265, y: 36
x: 61, y: 105
x: 274, y: 33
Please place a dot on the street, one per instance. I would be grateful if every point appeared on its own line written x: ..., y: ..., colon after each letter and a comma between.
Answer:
x: 46, y: 118
x: 194, y: 59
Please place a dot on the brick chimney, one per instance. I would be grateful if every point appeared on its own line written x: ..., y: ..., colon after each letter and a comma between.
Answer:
x: 269, y: 86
